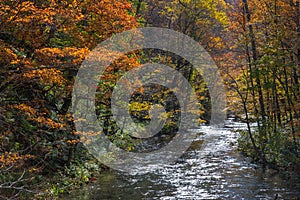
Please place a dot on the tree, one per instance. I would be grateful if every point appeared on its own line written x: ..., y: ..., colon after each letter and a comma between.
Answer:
x: 42, y: 44
x: 263, y: 44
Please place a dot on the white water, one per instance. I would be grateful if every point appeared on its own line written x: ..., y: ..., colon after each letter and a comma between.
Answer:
x: 215, y: 171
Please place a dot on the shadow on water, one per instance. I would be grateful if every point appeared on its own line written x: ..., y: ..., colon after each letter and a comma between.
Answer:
x: 215, y: 171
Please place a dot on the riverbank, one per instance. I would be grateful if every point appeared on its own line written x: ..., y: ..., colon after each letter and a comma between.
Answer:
x: 212, y: 168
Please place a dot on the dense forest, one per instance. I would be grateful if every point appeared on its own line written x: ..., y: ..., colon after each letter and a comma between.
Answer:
x: 255, y: 44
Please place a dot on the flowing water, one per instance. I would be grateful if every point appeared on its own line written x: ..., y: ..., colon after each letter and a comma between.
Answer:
x: 215, y: 171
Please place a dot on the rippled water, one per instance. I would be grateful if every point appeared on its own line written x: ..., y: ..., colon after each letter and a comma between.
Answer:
x: 215, y: 171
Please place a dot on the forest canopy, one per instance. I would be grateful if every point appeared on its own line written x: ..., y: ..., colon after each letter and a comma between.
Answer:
x: 256, y: 45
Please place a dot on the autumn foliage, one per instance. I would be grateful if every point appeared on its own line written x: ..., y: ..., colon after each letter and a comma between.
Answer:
x: 42, y: 44
x: 256, y: 45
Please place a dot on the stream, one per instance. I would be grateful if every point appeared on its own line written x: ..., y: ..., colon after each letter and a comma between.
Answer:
x: 216, y: 171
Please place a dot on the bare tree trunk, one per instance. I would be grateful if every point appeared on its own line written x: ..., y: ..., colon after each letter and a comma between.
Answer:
x: 256, y: 74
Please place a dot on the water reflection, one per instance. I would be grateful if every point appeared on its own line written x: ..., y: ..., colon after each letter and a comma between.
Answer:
x: 216, y: 171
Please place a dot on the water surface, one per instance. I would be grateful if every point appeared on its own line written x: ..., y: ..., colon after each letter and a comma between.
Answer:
x: 213, y: 171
